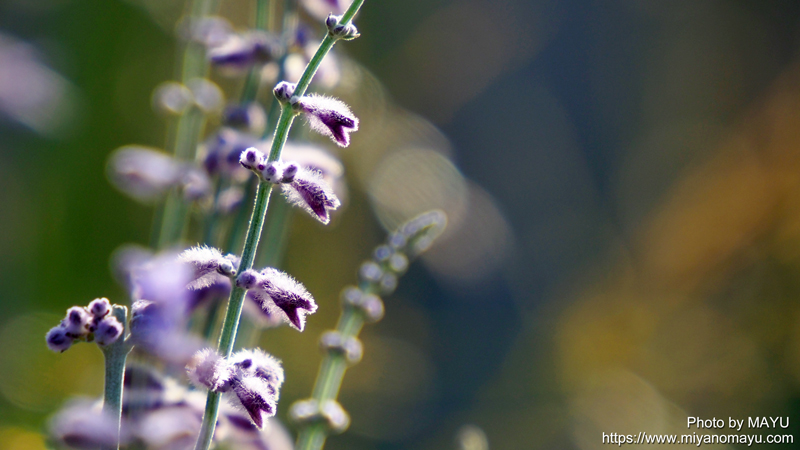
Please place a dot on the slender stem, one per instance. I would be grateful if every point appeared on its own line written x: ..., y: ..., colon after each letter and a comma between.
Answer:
x: 234, y: 311
x: 230, y: 325
x: 275, y: 236
x: 115, y: 356
x: 169, y: 223
x: 329, y: 379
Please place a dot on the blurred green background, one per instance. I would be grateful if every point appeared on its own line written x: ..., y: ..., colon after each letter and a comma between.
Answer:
x: 622, y: 177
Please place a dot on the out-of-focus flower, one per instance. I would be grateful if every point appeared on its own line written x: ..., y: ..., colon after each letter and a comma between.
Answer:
x: 31, y: 93
x: 328, y: 116
x: 320, y: 9
x: 250, y: 118
x: 84, y: 425
x: 159, y: 314
x: 147, y: 174
x: 239, y: 52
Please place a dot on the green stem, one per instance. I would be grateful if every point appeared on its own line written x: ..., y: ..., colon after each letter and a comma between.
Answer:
x: 233, y: 314
x: 329, y: 380
x: 169, y: 223
x: 115, y: 356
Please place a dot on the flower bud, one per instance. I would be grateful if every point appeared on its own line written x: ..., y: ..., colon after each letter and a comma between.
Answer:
x: 350, y: 346
x: 99, y: 307
x: 252, y: 159
x: 309, y: 191
x: 57, y: 339
x: 209, y: 370
x: 76, y: 323
x: 284, y: 91
x: 328, y: 116
x: 108, y: 331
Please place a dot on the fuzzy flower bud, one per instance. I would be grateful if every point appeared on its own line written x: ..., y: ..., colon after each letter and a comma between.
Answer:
x: 208, y: 264
x: 76, y: 323
x: 209, y: 370
x: 57, y: 339
x: 284, y: 91
x: 255, y: 384
x: 309, y: 191
x: 328, y: 116
x: 108, y: 331
x: 347, y: 32
x: 99, y: 307
x: 253, y: 159
x: 275, y: 291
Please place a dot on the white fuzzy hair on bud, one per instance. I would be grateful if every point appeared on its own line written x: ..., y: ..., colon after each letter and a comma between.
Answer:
x: 209, y: 370
x: 329, y: 116
x: 310, y: 191
x: 208, y: 264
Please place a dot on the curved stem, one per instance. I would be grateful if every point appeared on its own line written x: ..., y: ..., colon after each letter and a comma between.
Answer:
x: 115, y: 356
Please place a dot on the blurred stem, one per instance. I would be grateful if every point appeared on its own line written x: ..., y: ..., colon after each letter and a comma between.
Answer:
x: 115, y: 356
x: 275, y: 235
x: 170, y: 222
x: 234, y: 312
x: 329, y: 379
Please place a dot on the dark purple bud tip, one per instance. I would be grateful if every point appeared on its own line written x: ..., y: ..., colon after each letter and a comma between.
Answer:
x: 329, y: 116
x: 251, y: 158
x: 57, y: 339
x: 247, y: 279
x: 272, y: 173
x: 226, y: 268
x: 99, y: 307
x: 332, y: 21
x: 76, y: 322
x: 289, y: 172
x: 284, y: 91
x: 108, y: 331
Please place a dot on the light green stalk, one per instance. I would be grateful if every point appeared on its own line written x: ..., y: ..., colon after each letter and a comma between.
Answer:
x: 170, y: 220
x: 115, y: 356
x: 233, y: 314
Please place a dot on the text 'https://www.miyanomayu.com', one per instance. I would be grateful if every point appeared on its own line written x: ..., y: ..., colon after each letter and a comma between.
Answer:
x: 730, y: 434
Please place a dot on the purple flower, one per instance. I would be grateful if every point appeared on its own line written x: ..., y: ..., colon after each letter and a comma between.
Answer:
x: 241, y: 51
x: 209, y: 370
x: 84, y: 425
x: 143, y: 173
x: 253, y: 159
x: 76, y: 323
x: 277, y: 292
x: 309, y: 191
x: 57, y: 339
x: 250, y: 117
x: 108, y: 330
x: 328, y: 116
x: 99, y: 307
x: 255, y: 385
x: 209, y: 265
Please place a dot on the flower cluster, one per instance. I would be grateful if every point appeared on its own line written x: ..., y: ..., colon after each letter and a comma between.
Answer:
x: 251, y: 380
x: 303, y: 187
x: 90, y: 323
